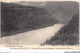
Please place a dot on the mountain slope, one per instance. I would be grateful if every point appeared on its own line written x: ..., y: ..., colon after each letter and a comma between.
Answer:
x: 17, y: 18
x: 68, y: 35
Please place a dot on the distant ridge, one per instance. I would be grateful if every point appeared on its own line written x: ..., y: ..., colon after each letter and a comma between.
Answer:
x: 63, y: 11
x: 66, y: 7
x: 30, y: 3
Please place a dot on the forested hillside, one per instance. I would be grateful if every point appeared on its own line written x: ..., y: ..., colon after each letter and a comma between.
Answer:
x: 18, y: 18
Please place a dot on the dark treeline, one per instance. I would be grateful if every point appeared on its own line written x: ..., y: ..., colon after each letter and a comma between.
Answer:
x: 68, y: 35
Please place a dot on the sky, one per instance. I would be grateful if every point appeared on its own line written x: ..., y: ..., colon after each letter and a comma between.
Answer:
x: 8, y: 1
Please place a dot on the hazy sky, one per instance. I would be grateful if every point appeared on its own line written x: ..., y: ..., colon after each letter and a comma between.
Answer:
x: 34, y: 0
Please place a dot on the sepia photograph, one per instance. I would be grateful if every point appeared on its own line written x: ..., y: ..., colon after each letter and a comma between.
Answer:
x: 39, y: 23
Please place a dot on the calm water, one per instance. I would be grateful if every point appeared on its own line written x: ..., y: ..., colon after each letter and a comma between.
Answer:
x: 34, y: 37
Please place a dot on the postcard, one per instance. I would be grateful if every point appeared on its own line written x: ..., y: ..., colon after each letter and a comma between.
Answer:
x: 40, y: 24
